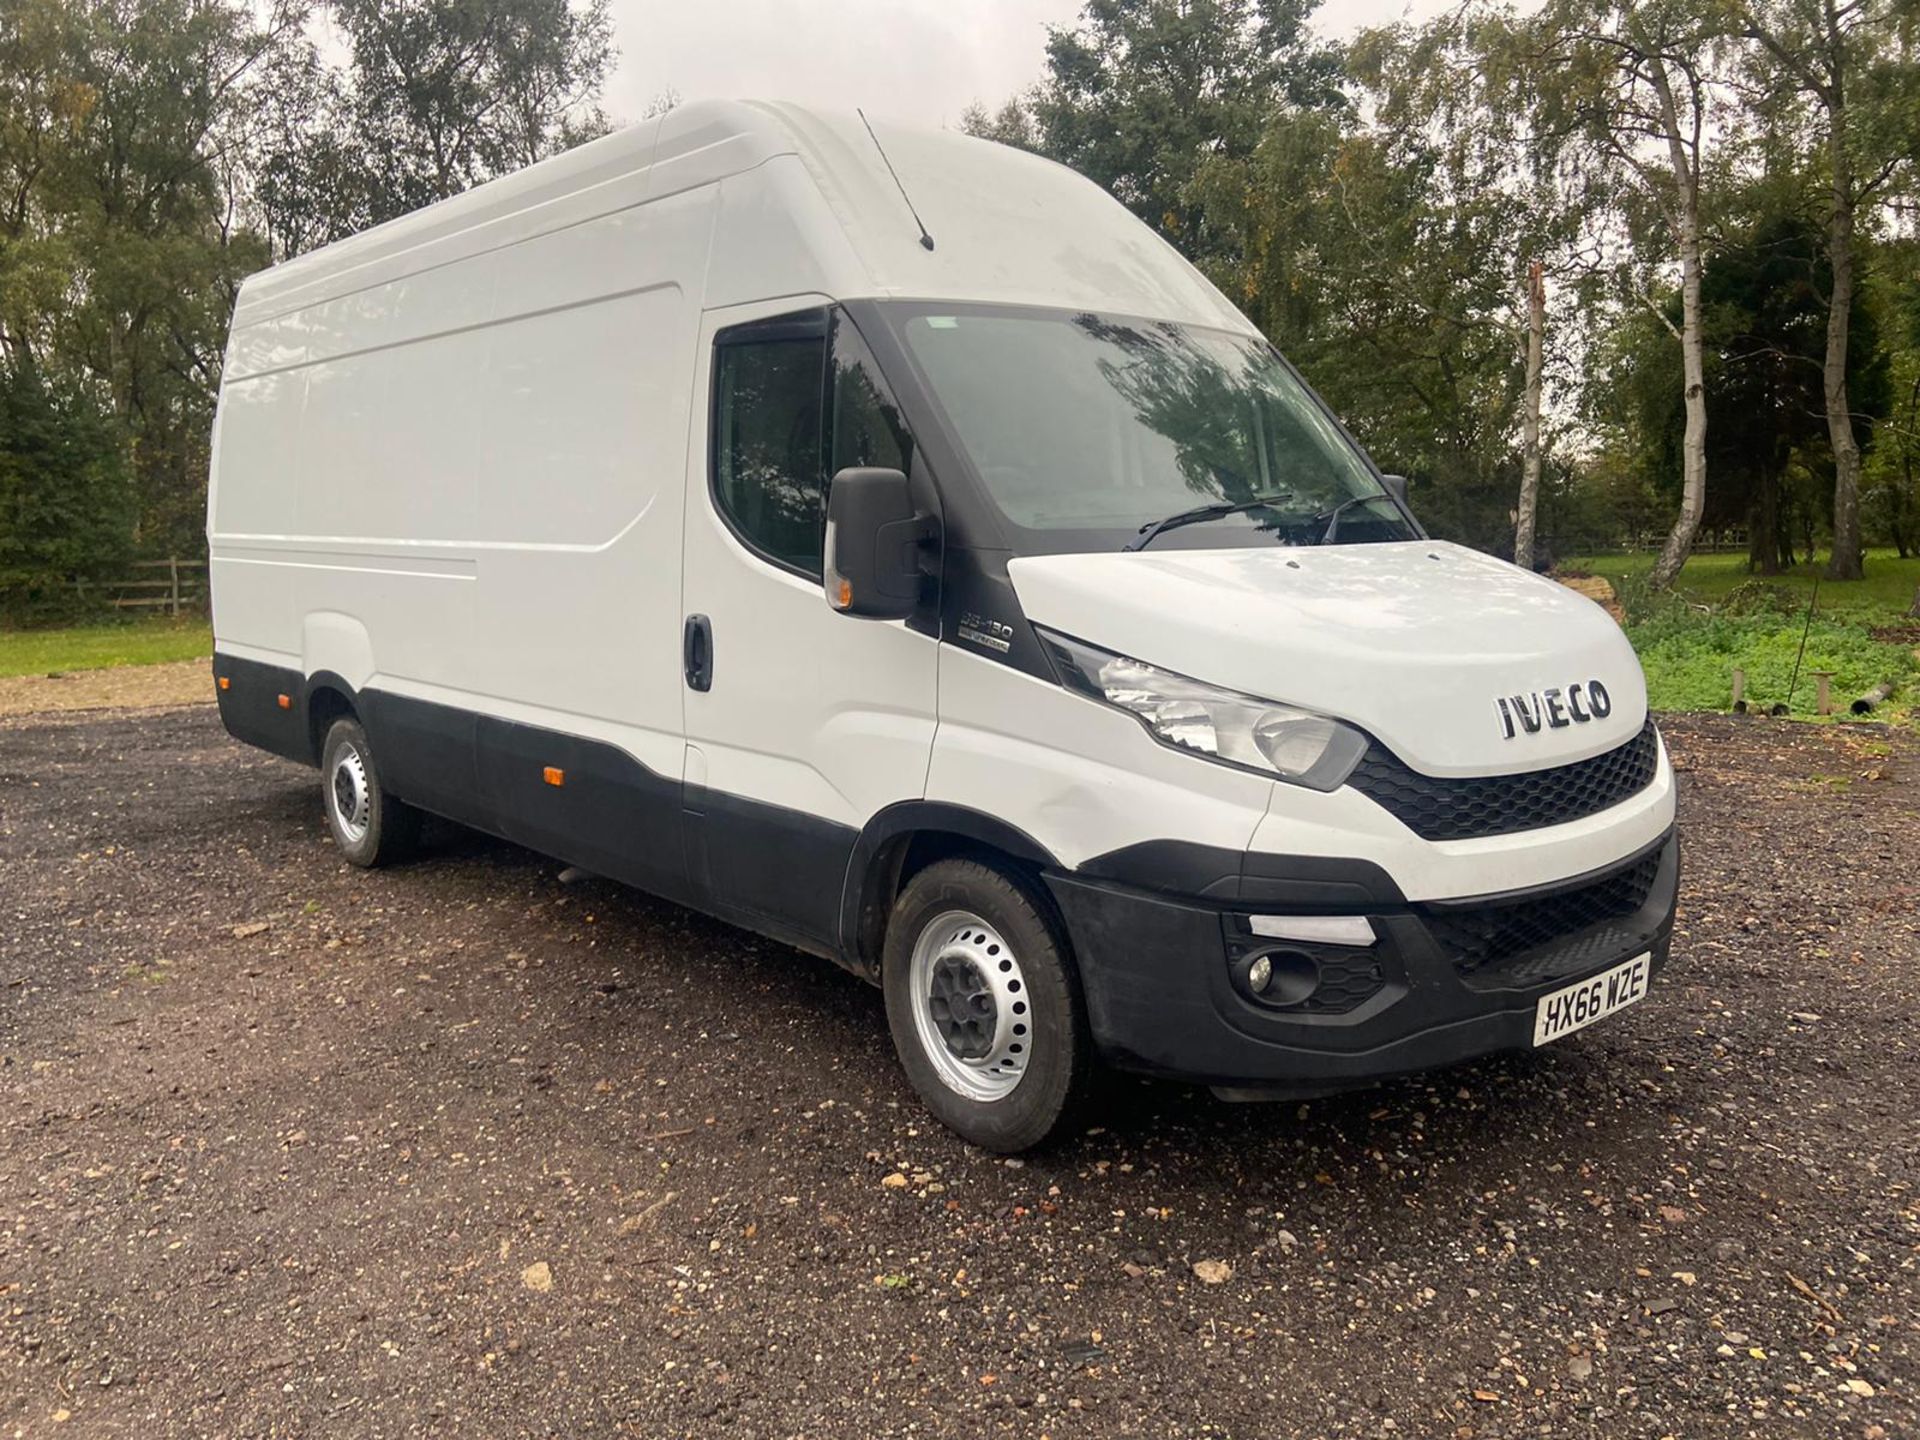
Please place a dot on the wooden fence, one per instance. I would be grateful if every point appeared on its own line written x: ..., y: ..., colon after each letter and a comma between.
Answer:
x: 171, y: 587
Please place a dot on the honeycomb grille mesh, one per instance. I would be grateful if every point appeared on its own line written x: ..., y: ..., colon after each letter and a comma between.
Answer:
x: 1477, y: 806
x: 1346, y: 983
x: 1348, y: 977
x: 1519, y: 943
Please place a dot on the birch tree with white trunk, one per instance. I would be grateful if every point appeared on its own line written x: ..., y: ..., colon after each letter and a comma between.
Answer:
x: 1626, y: 91
x: 1850, y: 66
x: 1442, y: 97
x: 1528, y: 511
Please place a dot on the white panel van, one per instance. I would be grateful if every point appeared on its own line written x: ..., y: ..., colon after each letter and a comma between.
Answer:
x: 881, y: 540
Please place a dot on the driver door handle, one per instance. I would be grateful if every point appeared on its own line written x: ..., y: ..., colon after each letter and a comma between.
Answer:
x: 697, y: 652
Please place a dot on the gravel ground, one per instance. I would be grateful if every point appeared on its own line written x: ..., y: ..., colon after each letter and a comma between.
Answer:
x: 286, y: 1148
x: 175, y: 683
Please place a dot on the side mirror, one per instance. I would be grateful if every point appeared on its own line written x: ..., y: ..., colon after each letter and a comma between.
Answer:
x: 874, y: 535
x: 1396, y: 487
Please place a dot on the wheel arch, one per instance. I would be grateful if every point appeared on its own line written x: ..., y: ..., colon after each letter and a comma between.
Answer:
x: 329, y: 698
x: 904, y: 839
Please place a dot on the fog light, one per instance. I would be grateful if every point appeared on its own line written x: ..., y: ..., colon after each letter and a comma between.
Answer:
x: 1280, y: 977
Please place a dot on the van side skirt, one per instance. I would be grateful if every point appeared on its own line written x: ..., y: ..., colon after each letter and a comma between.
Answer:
x: 776, y: 871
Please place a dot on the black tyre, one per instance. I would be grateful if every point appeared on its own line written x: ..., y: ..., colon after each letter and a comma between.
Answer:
x: 370, y: 826
x: 984, y: 1005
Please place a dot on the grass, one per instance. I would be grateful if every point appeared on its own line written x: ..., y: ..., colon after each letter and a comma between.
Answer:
x: 1690, y: 662
x: 151, y: 641
x: 1885, y: 594
x: 1721, y: 617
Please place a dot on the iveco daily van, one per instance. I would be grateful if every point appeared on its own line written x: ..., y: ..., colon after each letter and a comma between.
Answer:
x: 883, y: 541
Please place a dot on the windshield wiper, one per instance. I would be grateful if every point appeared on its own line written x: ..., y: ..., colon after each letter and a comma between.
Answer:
x: 1199, y: 513
x: 1332, y: 516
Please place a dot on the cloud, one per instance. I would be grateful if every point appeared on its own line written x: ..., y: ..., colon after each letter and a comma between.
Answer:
x: 918, y: 60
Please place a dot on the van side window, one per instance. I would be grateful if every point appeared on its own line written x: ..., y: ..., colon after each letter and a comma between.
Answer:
x: 867, y: 425
x: 785, y: 420
x: 769, y: 470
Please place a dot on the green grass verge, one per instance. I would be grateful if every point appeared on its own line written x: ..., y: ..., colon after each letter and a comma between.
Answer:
x: 1885, y: 594
x: 96, y: 647
x: 1721, y: 617
x: 1690, y: 663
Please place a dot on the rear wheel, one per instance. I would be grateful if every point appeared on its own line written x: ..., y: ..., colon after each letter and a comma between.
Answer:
x: 370, y: 826
x: 984, y: 1006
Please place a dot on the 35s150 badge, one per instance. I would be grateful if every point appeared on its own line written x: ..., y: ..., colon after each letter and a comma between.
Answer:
x: 993, y: 635
x: 1552, y: 709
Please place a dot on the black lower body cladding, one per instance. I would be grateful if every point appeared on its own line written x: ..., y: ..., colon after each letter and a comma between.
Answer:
x: 250, y: 693
x: 1162, y: 998
x: 579, y: 800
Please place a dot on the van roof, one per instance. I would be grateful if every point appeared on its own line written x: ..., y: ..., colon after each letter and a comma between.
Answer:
x: 1008, y: 226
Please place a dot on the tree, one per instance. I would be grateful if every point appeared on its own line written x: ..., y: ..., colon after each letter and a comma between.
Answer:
x: 1890, y: 495
x: 1224, y: 124
x: 1839, y: 58
x: 1762, y: 293
x: 1624, y: 89
x: 1395, y: 304
x: 434, y: 97
x: 310, y: 185
x: 155, y: 152
x: 121, y: 256
x: 40, y: 105
x: 1142, y: 93
x: 1442, y: 97
x: 66, y: 510
x: 1528, y: 509
x: 1765, y: 294
x: 1012, y: 124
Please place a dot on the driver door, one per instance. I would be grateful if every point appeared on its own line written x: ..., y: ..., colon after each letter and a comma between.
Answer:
x: 801, y: 722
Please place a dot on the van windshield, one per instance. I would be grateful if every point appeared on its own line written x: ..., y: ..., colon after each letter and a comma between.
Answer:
x: 1085, y: 430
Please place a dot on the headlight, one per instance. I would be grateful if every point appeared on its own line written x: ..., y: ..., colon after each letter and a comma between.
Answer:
x: 1296, y: 745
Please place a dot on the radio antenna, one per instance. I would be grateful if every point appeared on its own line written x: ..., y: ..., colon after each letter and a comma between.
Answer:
x: 926, y: 240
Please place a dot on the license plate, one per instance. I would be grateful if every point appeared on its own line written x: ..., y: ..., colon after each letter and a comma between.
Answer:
x: 1578, y: 1006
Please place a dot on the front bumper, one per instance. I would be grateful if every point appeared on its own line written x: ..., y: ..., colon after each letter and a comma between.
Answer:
x: 1444, y: 981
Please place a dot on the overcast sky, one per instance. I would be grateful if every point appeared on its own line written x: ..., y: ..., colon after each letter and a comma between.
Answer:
x: 918, y: 60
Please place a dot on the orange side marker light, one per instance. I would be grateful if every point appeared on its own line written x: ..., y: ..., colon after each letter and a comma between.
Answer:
x: 226, y: 682
x: 554, y: 775
x: 286, y: 702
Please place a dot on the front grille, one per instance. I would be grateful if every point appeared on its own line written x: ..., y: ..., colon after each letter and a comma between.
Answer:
x: 1477, y: 806
x: 1518, y: 943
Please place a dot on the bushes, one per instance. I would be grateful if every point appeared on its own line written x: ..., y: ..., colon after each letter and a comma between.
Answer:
x: 66, y: 508
x: 1718, y: 617
x: 1690, y: 654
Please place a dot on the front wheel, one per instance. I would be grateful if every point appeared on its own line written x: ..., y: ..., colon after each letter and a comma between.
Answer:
x: 984, y: 1006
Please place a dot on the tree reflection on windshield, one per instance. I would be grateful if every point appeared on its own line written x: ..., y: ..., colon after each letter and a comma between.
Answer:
x: 1099, y: 426
x: 1187, y: 395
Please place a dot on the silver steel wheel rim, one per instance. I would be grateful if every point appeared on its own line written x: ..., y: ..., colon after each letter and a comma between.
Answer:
x: 971, y: 1009
x: 347, y: 795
